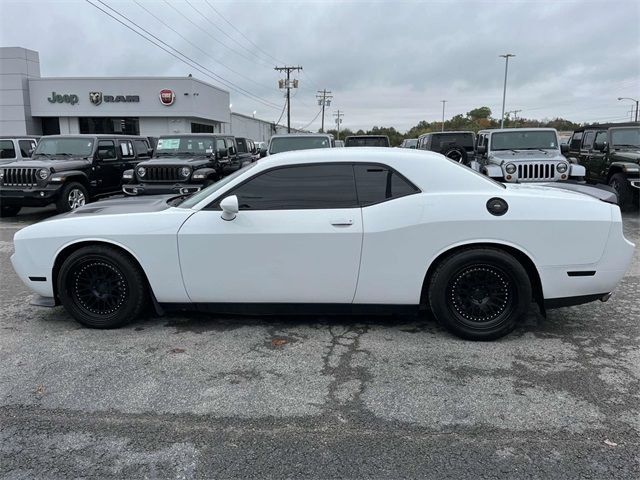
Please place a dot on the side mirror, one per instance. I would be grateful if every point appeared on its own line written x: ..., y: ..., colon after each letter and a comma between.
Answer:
x: 222, y: 152
x: 564, y: 148
x: 232, y: 150
x: 481, y: 150
x: 229, y: 207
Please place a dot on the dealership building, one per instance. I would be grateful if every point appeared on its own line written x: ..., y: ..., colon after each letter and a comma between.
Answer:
x: 150, y: 106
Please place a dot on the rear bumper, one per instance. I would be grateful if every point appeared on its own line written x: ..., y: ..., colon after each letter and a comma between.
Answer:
x: 28, y: 197
x: 160, y: 189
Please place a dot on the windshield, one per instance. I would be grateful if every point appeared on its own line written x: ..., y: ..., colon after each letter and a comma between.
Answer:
x: 411, y: 143
x: 185, y: 145
x: 76, y: 147
x: 196, y: 198
x: 286, y: 144
x: 366, y: 142
x: 625, y: 137
x: 527, y: 140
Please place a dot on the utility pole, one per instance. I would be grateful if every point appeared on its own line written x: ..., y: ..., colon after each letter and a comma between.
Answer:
x: 515, y: 117
x: 288, y: 84
x: 506, y: 56
x: 443, y: 102
x: 324, y: 100
x: 338, y: 116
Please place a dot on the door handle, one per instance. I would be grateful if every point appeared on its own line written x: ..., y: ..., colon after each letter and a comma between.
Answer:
x: 342, y: 222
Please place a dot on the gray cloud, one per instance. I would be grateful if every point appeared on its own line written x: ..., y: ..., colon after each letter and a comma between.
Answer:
x: 387, y: 63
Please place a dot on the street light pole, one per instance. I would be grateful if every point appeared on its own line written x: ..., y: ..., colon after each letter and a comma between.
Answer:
x: 504, y: 90
x: 633, y: 100
x: 443, y: 102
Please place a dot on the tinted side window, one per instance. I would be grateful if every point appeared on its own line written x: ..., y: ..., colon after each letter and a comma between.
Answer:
x: 107, y: 150
x: 376, y: 183
x: 588, y: 139
x: 242, y: 146
x: 576, y: 140
x: 26, y: 147
x: 141, y: 148
x: 299, y: 187
x: 7, y: 150
x: 220, y: 144
x: 601, y: 137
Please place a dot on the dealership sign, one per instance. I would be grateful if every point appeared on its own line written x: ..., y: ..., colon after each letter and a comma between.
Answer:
x: 60, y: 98
x: 167, y: 97
x: 97, y: 98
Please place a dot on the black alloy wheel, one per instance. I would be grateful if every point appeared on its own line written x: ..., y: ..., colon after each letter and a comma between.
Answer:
x: 101, y: 287
x: 479, y: 293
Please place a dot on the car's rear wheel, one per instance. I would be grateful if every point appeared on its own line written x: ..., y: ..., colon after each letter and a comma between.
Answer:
x: 73, y: 195
x: 9, y: 210
x: 479, y: 293
x: 625, y: 193
x: 101, y: 287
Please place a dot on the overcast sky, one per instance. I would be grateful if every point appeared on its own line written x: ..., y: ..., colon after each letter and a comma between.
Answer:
x: 387, y: 62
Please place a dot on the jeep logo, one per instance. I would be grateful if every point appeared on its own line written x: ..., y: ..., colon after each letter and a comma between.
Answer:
x: 60, y: 98
x: 97, y: 98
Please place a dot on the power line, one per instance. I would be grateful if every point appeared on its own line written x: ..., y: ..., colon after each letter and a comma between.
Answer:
x: 314, y: 119
x: 208, y: 33
x: 196, y: 46
x: 186, y: 60
x: 243, y: 35
x: 225, y: 33
x: 282, y: 113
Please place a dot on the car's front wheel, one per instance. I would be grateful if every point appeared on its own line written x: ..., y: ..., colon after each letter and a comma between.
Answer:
x: 479, y: 293
x: 73, y: 195
x: 101, y: 287
x: 624, y: 191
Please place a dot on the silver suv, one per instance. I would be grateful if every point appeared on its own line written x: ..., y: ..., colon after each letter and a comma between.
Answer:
x: 519, y: 155
x: 13, y: 149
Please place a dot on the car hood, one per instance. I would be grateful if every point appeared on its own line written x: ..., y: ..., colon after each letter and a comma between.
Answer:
x: 526, y: 156
x: 57, y: 165
x: 120, y: 206
x: 176, y: 161
x: 626, y: 155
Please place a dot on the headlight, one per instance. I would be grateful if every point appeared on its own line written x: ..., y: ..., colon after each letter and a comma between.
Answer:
x: 185, y: 172
x: 43, y: 174
x: 510, y: 168
x: 562, y: 167
x: 141, y: 171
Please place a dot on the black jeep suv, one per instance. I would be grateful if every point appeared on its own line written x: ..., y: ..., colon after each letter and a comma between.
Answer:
x: 69, y: 170
x: 185, y: 163
x: 458, y: 146
x: 610, y: 154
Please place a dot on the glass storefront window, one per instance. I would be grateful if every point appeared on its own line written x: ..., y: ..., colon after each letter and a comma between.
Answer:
x: 123, y: 125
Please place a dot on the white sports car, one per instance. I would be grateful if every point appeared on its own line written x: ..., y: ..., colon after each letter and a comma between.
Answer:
x: 319, y: 230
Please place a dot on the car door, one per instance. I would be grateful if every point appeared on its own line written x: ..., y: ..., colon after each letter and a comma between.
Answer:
x: 598, y: 159
x: 108, y: 171
x: 296, y: 239
x: 586, y: 153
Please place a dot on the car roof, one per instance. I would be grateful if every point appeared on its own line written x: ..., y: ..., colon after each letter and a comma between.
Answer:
x: 92, y: 135
x: 195, y: 135
x: 500, y: 130
x: 366, y: 136
x: 448, y: 132
x: 605, y: 126
x: 284, y: 135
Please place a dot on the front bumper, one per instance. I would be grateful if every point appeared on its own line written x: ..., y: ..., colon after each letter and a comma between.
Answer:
x: 160, y: 189
x: 29, y: 197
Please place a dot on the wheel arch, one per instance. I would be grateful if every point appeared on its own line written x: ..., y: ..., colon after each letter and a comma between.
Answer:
x: 523, y: 258
x: 69, y: 248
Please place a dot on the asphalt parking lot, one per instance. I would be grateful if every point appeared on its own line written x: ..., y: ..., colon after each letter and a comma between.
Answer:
x: 318, y: 397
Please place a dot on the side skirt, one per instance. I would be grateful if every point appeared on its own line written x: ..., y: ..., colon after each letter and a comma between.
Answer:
x: 569, y: 301
x: 294, y: 308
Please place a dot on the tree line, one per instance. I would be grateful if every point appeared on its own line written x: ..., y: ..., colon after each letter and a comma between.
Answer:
x: 474, y: 120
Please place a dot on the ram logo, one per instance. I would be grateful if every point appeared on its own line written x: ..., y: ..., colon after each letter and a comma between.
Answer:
x: 95, y: 97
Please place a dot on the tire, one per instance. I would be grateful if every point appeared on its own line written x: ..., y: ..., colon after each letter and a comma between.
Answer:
x: 455, y: 153
x: 479, y: 293
x: 9, y: 211
x: 619, y: 183
x: 101, y: 287
x: 72, y: 196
